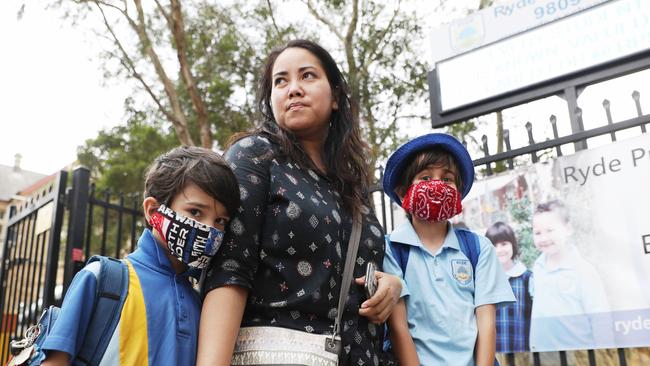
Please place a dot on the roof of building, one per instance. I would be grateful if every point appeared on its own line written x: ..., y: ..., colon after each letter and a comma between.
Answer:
x: 14, y: 179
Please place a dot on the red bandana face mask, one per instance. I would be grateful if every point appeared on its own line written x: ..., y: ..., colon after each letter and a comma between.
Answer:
x: 432, y: 200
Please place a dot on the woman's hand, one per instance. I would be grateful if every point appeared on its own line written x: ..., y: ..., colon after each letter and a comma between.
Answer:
x: 379, y: 307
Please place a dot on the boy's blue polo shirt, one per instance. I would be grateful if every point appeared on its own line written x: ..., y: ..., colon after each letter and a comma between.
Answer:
x: 441, y: 299
x: 172, y: 312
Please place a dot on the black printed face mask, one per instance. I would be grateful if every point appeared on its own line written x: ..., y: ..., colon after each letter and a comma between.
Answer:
x: 192, y: 242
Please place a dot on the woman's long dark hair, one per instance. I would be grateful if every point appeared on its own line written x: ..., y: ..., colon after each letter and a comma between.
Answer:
x: 344, y: 150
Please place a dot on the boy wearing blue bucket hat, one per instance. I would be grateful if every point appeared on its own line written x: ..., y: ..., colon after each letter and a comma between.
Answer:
x: 451, y: 278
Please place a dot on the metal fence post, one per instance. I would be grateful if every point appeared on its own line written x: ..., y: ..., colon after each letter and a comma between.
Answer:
x: 52, y: 255
x: 575, y: 115
x: 74, y: 255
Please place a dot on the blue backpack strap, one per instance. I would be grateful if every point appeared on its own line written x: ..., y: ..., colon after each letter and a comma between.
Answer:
x: 470, y: 246
x: 400, y: 253
x: 112, y: 288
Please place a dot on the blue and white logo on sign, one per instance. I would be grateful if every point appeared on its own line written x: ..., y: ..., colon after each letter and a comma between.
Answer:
x: 467, y: 33
x: 461, y: 270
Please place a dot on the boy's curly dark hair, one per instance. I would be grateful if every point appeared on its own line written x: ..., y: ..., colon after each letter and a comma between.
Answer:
x: 172, y: 171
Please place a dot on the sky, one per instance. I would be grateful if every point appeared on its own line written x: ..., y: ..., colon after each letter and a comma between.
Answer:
x: 52, y: 95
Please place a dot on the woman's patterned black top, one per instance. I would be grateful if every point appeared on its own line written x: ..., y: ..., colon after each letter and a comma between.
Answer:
x: 286, y: 245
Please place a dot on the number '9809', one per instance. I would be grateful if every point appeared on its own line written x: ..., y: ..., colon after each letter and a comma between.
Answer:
x: 552, y: 7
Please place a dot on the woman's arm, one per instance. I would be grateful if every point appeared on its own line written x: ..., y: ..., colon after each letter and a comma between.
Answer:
x: 487, y: 334
x: 379, y: 307
x: 221, y: 316
x: 230, y: 276
x: 400, y: 337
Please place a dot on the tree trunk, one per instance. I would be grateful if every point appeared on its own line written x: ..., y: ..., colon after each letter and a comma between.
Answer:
x: 353, y: 71
x: 180, y: 123
x: 178, y: 30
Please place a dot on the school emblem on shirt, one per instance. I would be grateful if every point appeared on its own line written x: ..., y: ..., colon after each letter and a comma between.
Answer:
x: 461, y: 269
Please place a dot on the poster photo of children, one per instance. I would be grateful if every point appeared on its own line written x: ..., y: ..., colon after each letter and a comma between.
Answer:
x: 573, y: 237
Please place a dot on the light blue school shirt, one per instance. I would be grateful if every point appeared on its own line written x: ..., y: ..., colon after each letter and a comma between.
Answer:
x: 570, y: 307
x: 441, y: 295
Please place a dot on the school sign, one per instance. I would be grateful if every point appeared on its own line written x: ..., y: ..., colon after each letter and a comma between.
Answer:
x: 595, y: 295
x: 527, y: 45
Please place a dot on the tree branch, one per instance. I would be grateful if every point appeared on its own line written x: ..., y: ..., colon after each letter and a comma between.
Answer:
x: 380, y: 50
x: 275, y: 25
x: 178, y: 31
x: 147, y: 48
x: 128, y: 64
x: 352, y: 27
x: 315, y: 14
x: 353, y: 71
x: 109, y: 5
x: 413, y: 116
x: 163, y: 12
x: 389, y: 130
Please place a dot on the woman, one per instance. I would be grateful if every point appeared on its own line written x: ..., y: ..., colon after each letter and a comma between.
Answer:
x: 302, y: 175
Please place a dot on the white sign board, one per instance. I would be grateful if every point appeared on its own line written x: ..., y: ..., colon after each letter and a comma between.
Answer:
x: 581, y: 226
x: 592, y: 37
x: 499, y: 21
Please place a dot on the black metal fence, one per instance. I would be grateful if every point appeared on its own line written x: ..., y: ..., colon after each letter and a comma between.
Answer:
x: 36, y: 269
x: 29, y: 259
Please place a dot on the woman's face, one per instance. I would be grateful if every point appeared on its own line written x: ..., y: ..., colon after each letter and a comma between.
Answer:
x: 301, y: 96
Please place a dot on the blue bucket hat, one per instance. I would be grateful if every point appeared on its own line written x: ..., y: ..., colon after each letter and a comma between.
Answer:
x: 398, y: 161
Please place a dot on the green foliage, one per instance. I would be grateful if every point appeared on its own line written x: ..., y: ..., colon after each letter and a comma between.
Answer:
x: 392, y: 75
x: 120, y: 235
x: 223, y: 62
x: 226, y: 48
x: 118, y: 157
x: 224, y: 65
x: 520, y: 211
x: 528, y: 252
x: 463, y: 131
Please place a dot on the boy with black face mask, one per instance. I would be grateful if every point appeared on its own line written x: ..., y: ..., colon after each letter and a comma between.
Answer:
x: 190, y: 194
x: 446, y: 314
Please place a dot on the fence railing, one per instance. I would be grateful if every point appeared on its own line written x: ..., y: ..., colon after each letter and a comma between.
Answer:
x: 36, y: 269
x: 30, y: 258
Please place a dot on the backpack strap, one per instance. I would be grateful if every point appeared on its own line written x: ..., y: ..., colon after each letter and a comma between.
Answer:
x: 400, y: 253
x: 470, y: 246
x: 113, y: 284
